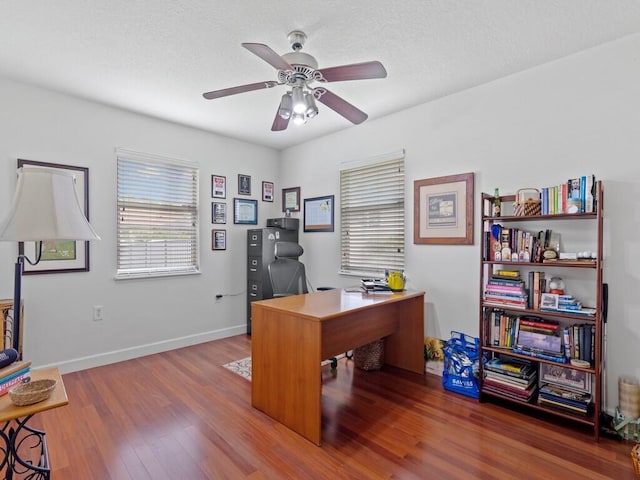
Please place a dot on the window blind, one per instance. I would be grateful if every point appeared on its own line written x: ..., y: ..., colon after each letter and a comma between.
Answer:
x: 372, y: 217
x: 157, y: 233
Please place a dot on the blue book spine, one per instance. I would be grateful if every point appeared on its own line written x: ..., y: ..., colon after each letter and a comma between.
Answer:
x: 544, y: 356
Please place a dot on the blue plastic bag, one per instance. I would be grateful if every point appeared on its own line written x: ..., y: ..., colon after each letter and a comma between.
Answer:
x: 461, y: 365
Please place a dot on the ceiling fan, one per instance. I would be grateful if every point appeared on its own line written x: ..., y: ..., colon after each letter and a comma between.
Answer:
x: 297, y: 70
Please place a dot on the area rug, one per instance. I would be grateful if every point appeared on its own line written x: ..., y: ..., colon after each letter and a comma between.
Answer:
x: 241, y: 367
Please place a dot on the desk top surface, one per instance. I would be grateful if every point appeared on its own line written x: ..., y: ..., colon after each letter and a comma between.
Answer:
x: 332, y: 303
x: 8, y: 411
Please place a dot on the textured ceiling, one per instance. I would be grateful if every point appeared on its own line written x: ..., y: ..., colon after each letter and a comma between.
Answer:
x: 157, y: 57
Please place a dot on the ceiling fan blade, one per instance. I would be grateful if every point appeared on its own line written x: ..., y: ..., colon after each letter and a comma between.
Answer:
x: 279, y: 123
x: 355, y: 71
x: 268, y: 55
x: 340, y: 105
x: 240, y: 89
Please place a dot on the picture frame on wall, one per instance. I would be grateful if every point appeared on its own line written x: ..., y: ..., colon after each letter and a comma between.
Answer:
x: 218, y: 212
x: 218, y: 186
x: 318, y: 214
x: 291, y: 199
x: 267, y: 191
x: 244, y: 184
x: 443, y: 210
x: 60, y: 256
x: 245, y: 211
x: 218, y: 239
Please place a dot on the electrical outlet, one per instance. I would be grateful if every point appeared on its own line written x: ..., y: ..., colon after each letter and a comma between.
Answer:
x: 97, y: 313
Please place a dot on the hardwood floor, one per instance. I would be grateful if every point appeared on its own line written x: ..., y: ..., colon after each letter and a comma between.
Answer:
x: 181, y: 415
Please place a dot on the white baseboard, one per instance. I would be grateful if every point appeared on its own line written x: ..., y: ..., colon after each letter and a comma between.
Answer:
x: 106, y: 358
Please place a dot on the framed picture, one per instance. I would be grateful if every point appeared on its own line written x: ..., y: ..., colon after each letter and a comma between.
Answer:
x: 318, y: 214
x: 443, y: 210
x: 267, y: 191
x: 244, y: 184
x: 218, y: 212
x: 218, y: 239
x: 60, y: 256
x: 245, y: 211
x: 291, y: 199
x: 218, y: 186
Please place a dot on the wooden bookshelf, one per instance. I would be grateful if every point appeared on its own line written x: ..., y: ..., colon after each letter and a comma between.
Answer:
x: 588, y: 271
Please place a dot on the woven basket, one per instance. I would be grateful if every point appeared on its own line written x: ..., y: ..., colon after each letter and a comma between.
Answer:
x: 525, y: 205
x: 635, y: 456
x: 370, y: 356
x: 32, y: 392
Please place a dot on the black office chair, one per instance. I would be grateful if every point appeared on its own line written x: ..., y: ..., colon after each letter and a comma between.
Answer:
x: 286, y: 272
x: 288, y: 276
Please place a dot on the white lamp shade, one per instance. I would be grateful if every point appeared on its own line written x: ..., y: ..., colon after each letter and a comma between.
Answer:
x: 45, y: 207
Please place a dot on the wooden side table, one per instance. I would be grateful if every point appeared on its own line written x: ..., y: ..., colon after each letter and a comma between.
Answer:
x: 23, y: 449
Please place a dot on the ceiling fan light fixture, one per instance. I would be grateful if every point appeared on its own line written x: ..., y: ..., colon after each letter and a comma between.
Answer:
x: 299, y: 118
x: 285, y: 106
x: 299, y: 105
x: 310, y: 104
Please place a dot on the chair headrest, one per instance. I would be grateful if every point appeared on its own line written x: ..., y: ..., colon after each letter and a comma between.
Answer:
x: 288, y: 250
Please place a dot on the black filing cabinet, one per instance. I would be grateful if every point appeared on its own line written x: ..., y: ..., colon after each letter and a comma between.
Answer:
x: 260, y: 253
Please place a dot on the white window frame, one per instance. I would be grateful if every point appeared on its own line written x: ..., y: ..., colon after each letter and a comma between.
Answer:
x: 372, y: 210
x: 163, y: 196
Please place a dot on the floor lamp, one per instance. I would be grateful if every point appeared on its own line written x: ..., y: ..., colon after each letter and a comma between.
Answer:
x: 44, y: 207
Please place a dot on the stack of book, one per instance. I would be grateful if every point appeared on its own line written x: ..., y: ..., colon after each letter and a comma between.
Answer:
x: 14, y: 374
x: 565, y: 304
x: 564, y: 398
x: 371, y: 285
x: 506, y: 288
x: 510, y: 377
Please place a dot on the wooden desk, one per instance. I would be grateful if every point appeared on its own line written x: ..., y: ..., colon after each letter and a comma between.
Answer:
x: 292, y: 335
x: 28, y: 458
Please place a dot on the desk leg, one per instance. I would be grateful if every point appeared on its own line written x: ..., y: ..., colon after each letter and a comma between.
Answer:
x: 404, y: 348
x: 286, y: 381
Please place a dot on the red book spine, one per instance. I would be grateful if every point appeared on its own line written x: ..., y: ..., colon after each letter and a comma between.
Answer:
x: 533, y: 323
x: 5, y: 387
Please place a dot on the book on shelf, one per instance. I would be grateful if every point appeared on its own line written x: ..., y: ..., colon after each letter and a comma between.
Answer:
x: 14, y: 367
x: 520, y: 394
x: 515, y: 382
x: 507, y: 273
x: 555, y: 392
x: 554, y: 403
x: 23, y: 377
x: 540, y: 342
x: 510, y: 366
x: 541, y: 355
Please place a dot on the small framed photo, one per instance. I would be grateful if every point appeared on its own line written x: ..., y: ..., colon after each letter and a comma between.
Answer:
x: 291, y: 199
x: 218, y: 212
x: 218, y: 239
x: 267, y: 191
x: 245, y: 211
x: 244, y: 184
x: 218, y: 186
x: 549, y: 300
x: 318, y: 214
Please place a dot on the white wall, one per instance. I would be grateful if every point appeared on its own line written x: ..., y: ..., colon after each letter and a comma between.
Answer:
x: 572, y: 117
x: 575, y: 116
x: 141, y: 316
